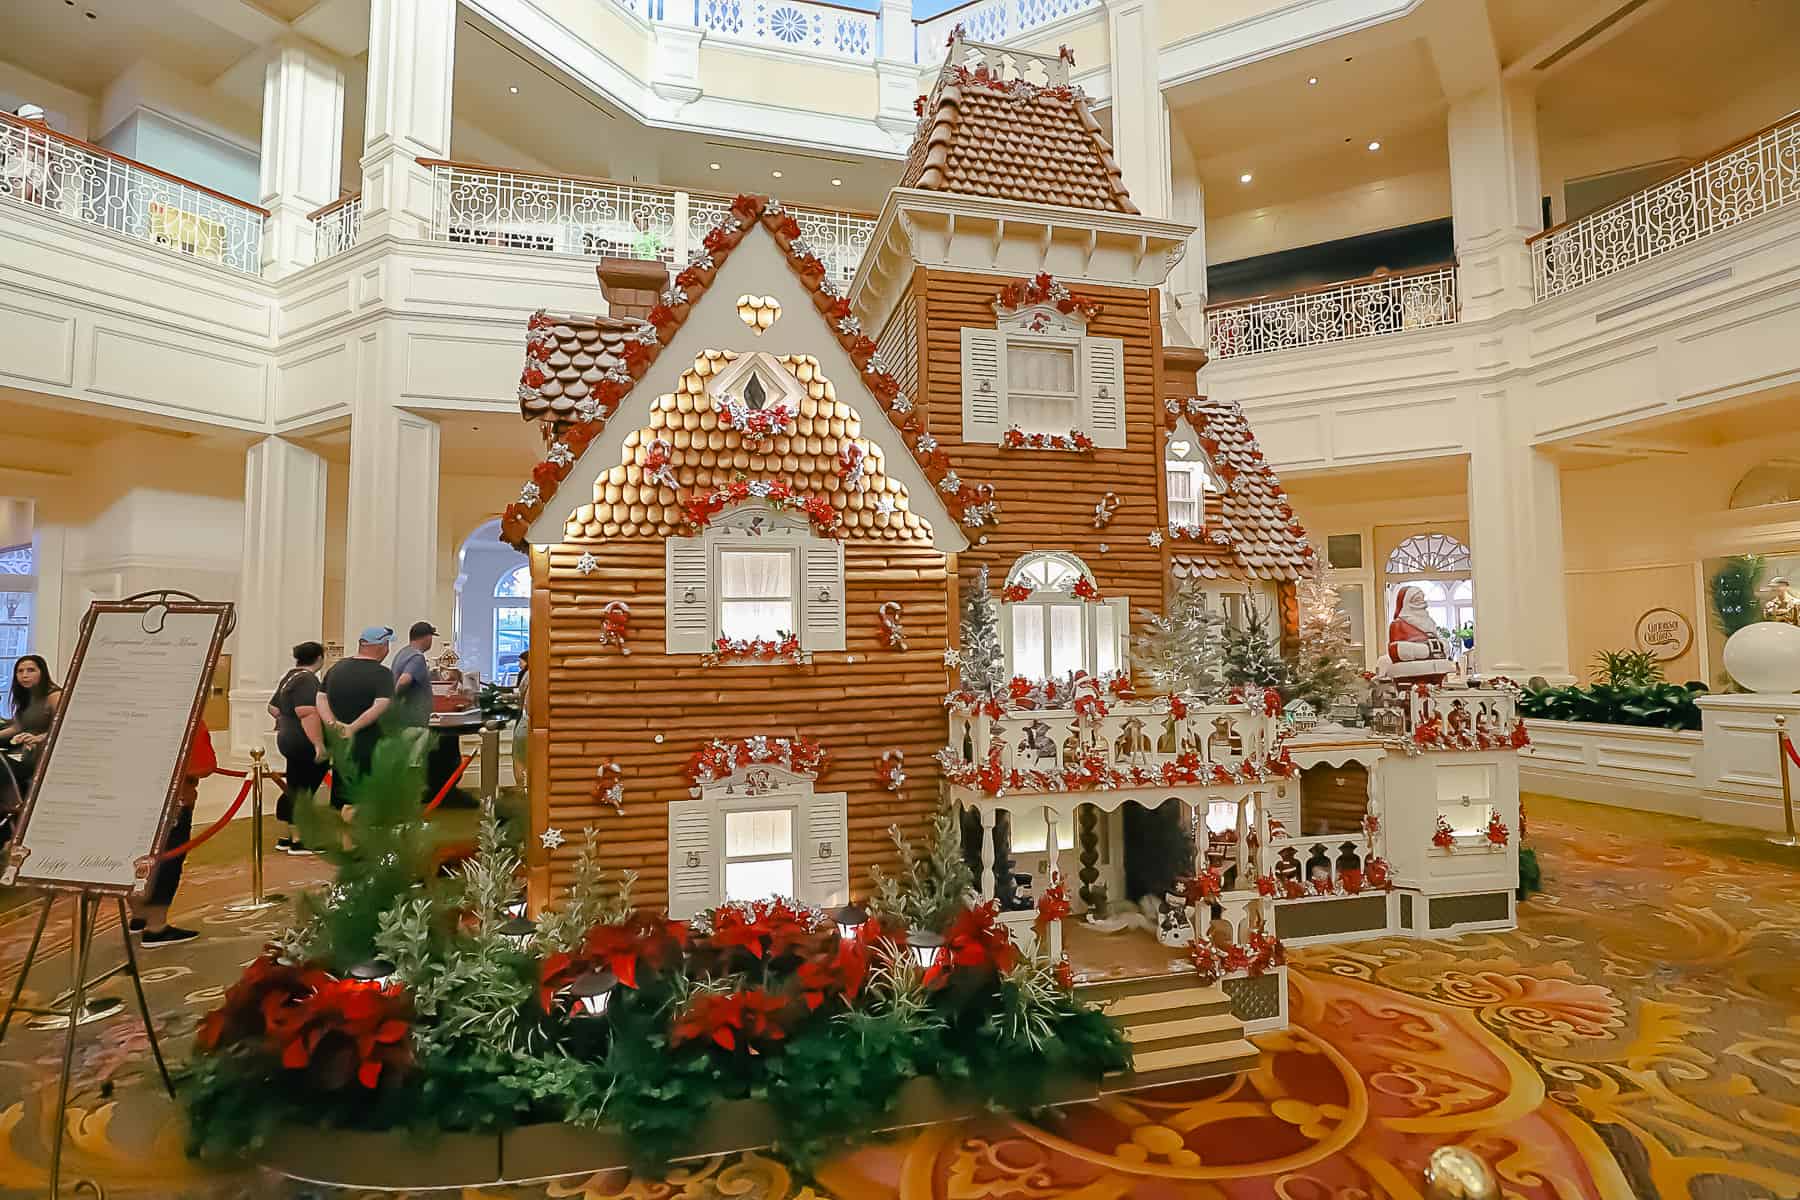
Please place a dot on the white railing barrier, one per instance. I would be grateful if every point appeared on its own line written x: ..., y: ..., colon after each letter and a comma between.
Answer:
x: 1338, y: 312
x: 1756, y: 175
x: 81, y: 182
x: 801, y: 25
x: 336, y: 226
x: 484, y: 206
x: 990, y: 21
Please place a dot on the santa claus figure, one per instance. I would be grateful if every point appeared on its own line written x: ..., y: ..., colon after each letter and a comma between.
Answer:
x: 1417, y: 651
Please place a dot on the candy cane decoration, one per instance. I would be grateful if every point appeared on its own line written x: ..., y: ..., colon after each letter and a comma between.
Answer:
x: 616, y: 616
x: 609, y: 788
x: 1106, y: 510
x: 851, y: 462
x: 891, y: 767
x: 891, y: 629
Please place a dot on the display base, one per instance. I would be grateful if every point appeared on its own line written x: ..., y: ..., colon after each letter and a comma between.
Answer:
x: 401, y: 1159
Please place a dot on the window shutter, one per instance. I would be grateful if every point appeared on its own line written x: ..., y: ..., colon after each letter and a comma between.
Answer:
x: 825, y: 851
x: 822, y: 609
x: 984, y: 386
x: 1104, y: 383
x: 688, y: 622
x: 1121, y: 609
x: 693, y: 859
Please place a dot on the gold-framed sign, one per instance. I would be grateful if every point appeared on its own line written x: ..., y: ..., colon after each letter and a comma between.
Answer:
x: 1663, y: 634
x: 106, y: 785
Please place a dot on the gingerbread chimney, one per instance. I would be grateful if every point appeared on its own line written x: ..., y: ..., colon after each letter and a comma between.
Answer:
x: 631, y: 286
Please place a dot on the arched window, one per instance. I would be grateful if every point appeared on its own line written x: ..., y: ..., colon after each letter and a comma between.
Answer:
x: 1439, y: 566
x: 1429, y: 554
x: 18, y: 587
x: 493, y: 605
x: 1050, y: 633
x: 1774, y: 482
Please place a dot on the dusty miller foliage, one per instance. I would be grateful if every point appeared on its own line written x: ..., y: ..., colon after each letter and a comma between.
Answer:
x: 1323, y: 666
x: 983, y: 661
x: 593, y: 900
x: 930, y: 889
x: 1180, y: 652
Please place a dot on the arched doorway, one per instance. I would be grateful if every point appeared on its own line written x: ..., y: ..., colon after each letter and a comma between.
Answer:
x: 493, y: 605
x: 1439, y: 566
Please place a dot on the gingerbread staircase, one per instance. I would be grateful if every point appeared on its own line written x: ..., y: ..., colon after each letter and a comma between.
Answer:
x: 1179, y: 1030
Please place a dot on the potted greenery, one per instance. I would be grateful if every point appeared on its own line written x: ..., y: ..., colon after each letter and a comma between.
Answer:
x: 1629, y: 689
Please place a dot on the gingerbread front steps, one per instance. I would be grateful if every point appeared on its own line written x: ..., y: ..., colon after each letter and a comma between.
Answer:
x: 1179, y: 1030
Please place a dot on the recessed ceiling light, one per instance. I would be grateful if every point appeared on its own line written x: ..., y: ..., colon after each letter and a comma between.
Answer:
x: 837, y: 183
x: 1312, y: 79
x: 514, y: 89
x: 776, y: 174
x: 714, y: 166
x: 1244, y: 178
x: 1374, y: 145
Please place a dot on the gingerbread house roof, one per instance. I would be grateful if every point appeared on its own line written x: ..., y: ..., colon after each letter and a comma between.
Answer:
x: 985, y: 130
x: 1250, y: 530
x: 704, y: 456
x: 580, y: 371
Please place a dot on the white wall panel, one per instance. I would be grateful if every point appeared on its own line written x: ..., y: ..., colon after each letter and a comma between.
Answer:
x: 179, y: 376
x: 35, y: 346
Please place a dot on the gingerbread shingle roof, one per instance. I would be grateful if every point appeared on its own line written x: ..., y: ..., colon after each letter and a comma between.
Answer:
x: 1250, y: 530
x: 635, y: 498
x: 558, y: 349
x: 983, y: 134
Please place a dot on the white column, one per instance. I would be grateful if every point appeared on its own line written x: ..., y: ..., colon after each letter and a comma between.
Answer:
x: 675, y: 56
x: 896, y: 71
x: 1140, y: 124
x: 302, y: 141
x: 391, y: 548
x: 1187, y: 283
x: 1516, y: 538
x: 281, y: 589
x: 1495, y: 197
x: 412, y: 53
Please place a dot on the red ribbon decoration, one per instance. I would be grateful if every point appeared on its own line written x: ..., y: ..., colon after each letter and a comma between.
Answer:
x: 212, y: 830
x: 1787, y: 743
x: 449, y: 783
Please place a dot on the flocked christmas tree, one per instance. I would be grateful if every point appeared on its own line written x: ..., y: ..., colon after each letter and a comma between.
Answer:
x: 1180, y: 652
x: 1324, y: 666
x: 1250, y: 653
x: 983, y: 661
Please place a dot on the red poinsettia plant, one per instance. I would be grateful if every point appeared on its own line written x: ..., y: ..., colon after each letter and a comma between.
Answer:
x: 329, y: 1032
x: 1497, y: 832
x: 747, y: 1020
x: 1012, y: 593
x: 765, y: 929
x: 976, y: 945
x: 1378, y: 875
x: 643, y: 940
x: 1443, y: 837
x: 1053, y: 905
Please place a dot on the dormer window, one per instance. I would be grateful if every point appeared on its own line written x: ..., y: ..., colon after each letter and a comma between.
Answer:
x: 754, y: 394
x: 1190, y: 479
x: 1040, y: 370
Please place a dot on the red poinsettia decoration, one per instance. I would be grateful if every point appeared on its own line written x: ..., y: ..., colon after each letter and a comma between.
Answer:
x: 645, y: 940
x: 546, y: 475
x: 1053, y: 905
x: 1351, y: 880
x: 841, y: 973
x: 1012, y: 593
x: 975, y: 941
x: 730, y: 1020
x: 763, y: 928
x: 1292, y: 889
x: 1497, y: 832
x: 1206, y: 886
x: 345, y: 1030
x: 1443, y: 837
x: 1377, y: 873
x: 1520, y: 737
x: 1085, y: 589
x: 1266, y: 886
x: 265, y: 988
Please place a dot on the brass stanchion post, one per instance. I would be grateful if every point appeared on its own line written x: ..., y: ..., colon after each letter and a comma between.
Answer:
x: 1787, y: 791
x: 258, y: 901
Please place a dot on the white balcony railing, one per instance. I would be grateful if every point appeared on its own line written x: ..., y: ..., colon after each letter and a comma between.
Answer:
x: 336, y: 226
x: 92, y: 185
x: 990, y: 21
x: 1756, y: 175
x: 1338, y: 312
x: 482, y: 206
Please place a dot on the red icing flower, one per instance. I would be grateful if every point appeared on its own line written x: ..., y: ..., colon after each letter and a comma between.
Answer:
x: 533, y: 377
x: 1012, y: 593
x: 1085, y: 589
x: 545, y: 474
x: 717, y: 241
x: 1052, y: 906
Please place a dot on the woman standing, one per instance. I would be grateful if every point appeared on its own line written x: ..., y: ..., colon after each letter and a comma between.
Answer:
x: 522, y: 730
x: 299, y: 736
x: 35, y: 698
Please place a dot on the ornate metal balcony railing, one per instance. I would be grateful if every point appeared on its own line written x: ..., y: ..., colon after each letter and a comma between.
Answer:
x: 86, y: 183
x: 990, y: 21
x: 1747, y: 179
x: 1338, y: 312
x: 482, y: 206
x: 336, y: 226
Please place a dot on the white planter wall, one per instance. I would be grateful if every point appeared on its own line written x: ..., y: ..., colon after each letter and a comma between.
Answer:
x: 1656, y: 770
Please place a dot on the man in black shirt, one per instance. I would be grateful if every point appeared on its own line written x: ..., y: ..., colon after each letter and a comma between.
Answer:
x: 356, y: 693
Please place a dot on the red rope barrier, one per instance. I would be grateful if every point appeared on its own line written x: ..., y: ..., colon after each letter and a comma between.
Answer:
x: 449, y: 783
x: 1787, y: 743
x: 178, y: 851
x: 230, y: 772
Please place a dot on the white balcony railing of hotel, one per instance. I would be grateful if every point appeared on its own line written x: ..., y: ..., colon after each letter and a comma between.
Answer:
x: 823, y: 28
x: 80, y: 182
x: 1747, y: 179
x: 481, y: 206
x: 336, y: 226
x: 1335, y: 312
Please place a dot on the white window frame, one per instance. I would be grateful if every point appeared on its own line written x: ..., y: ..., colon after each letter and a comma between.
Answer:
x: 817, y: 574
x: 717, y: 549
x: 1080, y: 407
x: 1048, y: 599
x: 788, y: 802
x: 821, y: 838
x: 1042, y: 326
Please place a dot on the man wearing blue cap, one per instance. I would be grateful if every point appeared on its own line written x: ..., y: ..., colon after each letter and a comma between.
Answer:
x: 355, y: 694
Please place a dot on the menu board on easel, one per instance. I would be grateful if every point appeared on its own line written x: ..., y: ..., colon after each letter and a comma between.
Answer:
x: 106, y: 784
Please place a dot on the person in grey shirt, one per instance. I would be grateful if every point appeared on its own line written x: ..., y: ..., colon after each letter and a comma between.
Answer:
x: 412, y: 678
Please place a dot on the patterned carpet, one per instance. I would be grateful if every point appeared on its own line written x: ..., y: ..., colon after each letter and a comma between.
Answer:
x: 1638, y: 1038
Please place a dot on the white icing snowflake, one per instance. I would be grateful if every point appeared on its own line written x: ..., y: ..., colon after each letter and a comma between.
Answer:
x: 760, y: 488
x: 551, y: 838
x: 900, y: 403
x: 587, y: 410
x: 1196, y: 405
x: 950, y: 484
x: 587, y: 564
x: 560, y: 454
x: 1155, y: 538
x: 1104, y: 547
x: 800, y: 247
x: 885, y: 505
x: 674, y: 296
x: 646, y: 333
x: 849, y: 325
x: 877, y: 364
x: 926, y: 443
x: 529, y: 494
x: 952, y: 658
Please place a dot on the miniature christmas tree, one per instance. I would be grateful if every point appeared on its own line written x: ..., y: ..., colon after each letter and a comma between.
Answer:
x: 1324, y: 666
x: 983, y: 661
x: 930, y: 889
x: 1180, y: 652
x: 1249, y: 653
